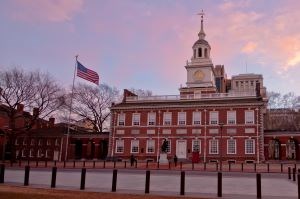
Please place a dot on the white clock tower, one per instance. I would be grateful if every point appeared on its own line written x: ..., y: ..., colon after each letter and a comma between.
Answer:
x: 200, y: 70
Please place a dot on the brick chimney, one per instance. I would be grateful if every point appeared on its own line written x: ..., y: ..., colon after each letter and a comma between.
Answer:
x: 20, y: 108
x: 127, y: 93
x: 35, y: 112
x: 51, y: 122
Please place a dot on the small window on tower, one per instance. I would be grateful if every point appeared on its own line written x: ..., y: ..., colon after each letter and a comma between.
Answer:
x: 194, y: 53
x: 199, y: 52
x: 205, y: 53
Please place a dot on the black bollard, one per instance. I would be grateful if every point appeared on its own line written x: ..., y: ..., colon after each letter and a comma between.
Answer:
x: 268, y: 165
x: 53, y: 178
x: 258, y: 185
x: 281, y: 167
x: 182, y: 182
x: 26, y: 178
x: 114, y: 180
x: 125, y: 164
x: 147, y: 164
x: 147, y: 184
x: 64, y: 164
x: 104, y: 164
x: 82, y: 182
x: 219, y: 184
x: 294, y: 174
x: 2, y: 170
x: 289, y: 173
x: 83, y: 163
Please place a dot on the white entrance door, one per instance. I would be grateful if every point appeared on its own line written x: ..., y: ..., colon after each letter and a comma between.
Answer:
x: 181, y: 148
x: 55, y: 155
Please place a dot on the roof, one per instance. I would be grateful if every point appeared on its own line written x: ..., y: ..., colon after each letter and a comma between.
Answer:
x: 201, y: 41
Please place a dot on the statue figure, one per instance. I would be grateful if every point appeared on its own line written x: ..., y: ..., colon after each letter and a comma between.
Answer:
x: 164, y: 146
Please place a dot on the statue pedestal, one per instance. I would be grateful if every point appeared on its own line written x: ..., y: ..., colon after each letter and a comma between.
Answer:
x: 163, y: 158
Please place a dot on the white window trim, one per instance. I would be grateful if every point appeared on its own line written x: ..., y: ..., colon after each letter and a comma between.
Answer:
x: 139, y: 121
x: 147, y: 145
x: 179, y: 121
x: 151, y: 123
x: 210, y: 147
x: 164, y: 118
x: 250, y: 111
x: 31, y: 153
x: 119, y: 141
x: 210, y: 117
x: 119, y: 116
x: 253, y: 141
x: 199, y: 145
x: 198, y: 122
x: 228, y: 112
x: 131, y: 147
x: 234, y: 146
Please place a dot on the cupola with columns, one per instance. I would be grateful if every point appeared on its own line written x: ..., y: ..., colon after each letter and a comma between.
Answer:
x: 200, y: 70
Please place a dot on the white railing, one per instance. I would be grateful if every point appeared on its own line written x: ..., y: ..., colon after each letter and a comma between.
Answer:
x: 191, y: 96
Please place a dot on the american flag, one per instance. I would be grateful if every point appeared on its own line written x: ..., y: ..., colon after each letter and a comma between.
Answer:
x: 87, y: 74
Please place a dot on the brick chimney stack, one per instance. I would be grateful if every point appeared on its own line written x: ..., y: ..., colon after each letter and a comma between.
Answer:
x: 20, y: 108
x: 51, y: 122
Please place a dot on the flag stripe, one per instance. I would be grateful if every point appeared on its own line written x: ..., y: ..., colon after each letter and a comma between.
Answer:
x: 87, y: 74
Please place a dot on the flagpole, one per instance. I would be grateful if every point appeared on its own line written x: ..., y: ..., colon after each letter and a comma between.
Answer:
x: 70, y: 110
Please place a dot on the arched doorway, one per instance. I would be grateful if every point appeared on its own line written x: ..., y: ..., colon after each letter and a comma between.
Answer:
x: 103, y: 149
x: 291, y: 149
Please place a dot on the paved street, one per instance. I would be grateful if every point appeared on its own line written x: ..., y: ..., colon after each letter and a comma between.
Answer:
x: 235, y: 185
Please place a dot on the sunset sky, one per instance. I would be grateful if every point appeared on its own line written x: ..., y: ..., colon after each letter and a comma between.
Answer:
x: 145, y: 43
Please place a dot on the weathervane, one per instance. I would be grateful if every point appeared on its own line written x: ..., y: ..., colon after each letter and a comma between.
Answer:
x: 201, y: 14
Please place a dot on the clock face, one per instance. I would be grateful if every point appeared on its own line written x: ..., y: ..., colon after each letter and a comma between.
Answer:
x: 198, y: 75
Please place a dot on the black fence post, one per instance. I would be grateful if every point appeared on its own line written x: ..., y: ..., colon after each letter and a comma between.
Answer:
x: 268, y: 165
x: 242, y: 166
x: 298, y: 178
x: 258, y: 185
x: 74, y: 164
x: 147, y: 162
x: 2, y: 170
x: 53, y: 178
x: 182, y: 182
x: 82, y: 182
x: 281, y: 167
x: 94, y: 164
x: 289, y: 173
x: 294, y: 174
x: 64, y: 164
x: 125, y: 164
x: 83, y: 163
x: 114, y: 180
x: 147, y: 184
x: 255, y: 167
x: 219, y: 184
x: 26, y: 178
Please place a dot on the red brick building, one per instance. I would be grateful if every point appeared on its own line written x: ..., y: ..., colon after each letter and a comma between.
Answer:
x: 206, y: 119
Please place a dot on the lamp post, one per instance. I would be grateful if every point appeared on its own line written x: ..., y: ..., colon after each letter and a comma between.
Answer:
x: 221, y: 141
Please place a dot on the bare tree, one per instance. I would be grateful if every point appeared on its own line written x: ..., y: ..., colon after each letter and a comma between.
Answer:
x: 141, y: 92
x: 32, y: 89
x: 92, y: 104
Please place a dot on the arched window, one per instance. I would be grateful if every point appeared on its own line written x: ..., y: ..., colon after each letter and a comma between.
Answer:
x: 291, y: 149
x: 205, y: 53
x: 199, y: 52
x: 194, y: 53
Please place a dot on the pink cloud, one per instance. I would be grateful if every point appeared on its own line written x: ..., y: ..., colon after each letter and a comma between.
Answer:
x: 44, y: 10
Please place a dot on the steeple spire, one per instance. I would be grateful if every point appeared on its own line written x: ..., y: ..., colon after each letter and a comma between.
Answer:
x: 201, y: 34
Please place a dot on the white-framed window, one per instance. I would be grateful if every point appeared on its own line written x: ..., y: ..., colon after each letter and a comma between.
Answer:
x: 213, y: 146
x: 119, y: 146
x: 167, y: 118
x: 250, y: 146
x: 136, y: 119
x: 196, y: 118
x: 181, y: 118
x: 151, y: 119
x: 23, y: 153
x: 17, y: 153
x: 48, y: 142
x: 196, y: 146
x: 214, y: 117
x: 40, y: 142
x: 134, y: 146
x: 168, y: 150
x: 231, y: 117
x: 249, y: 117
x: 150, y: 146
x: 150, y: 131
x: 121, y: 119
x: 231, y: 146
x: 31, y: 153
